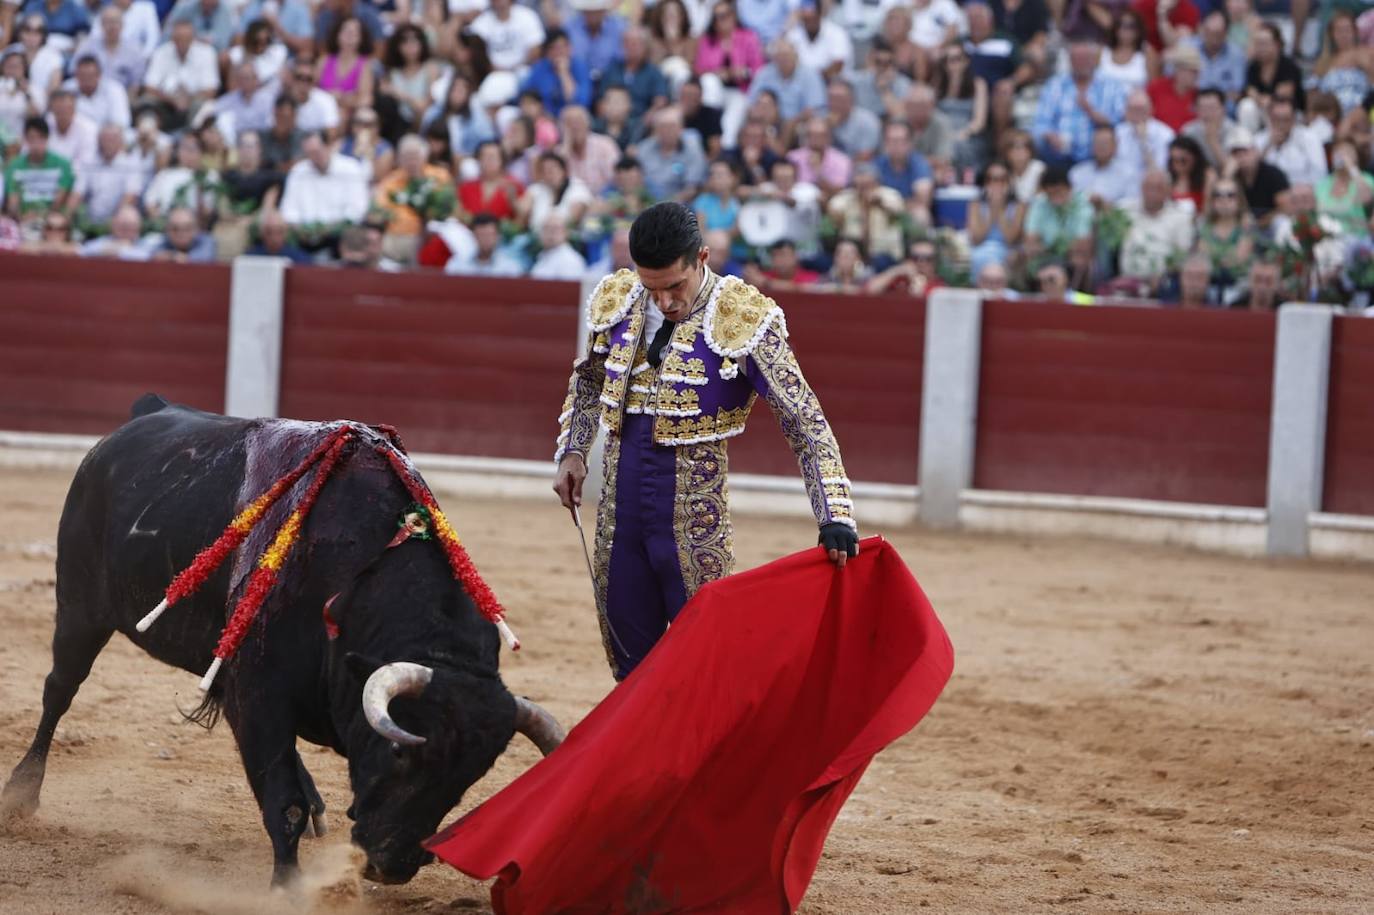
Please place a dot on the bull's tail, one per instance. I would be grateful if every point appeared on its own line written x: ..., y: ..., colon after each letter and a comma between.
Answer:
x: 207, y: 713
x: 148, y: 403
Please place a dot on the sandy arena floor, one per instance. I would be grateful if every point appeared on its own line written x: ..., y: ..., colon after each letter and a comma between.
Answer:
x: 1128, y: 730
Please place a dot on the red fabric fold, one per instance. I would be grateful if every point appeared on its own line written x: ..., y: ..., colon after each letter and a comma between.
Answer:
x: 708, y: 780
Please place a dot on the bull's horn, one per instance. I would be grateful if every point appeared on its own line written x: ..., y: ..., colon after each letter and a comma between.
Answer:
x: 538, y: 725
x: 399, y: 678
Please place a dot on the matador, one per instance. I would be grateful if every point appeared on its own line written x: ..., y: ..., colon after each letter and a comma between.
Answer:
x: 676, y: 356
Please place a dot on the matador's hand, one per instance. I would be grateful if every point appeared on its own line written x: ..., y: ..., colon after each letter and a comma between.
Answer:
x: 567, y: 481
x: 840, y: 542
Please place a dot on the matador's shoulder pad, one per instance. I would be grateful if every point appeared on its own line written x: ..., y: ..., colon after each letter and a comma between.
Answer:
x: 611, y: 300
x: 738, y: 316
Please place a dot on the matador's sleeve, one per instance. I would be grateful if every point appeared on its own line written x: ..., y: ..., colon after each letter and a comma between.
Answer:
x: 582, y: 407
x: 778, y: 378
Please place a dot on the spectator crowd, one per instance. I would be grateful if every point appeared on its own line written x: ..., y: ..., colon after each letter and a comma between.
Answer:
x: 1203, y: 152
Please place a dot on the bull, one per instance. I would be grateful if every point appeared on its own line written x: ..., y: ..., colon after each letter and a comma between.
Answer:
x: 408, y: 689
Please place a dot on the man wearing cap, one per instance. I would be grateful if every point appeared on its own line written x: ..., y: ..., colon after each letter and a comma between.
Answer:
x: 1173, y: 95
x: 596, y: 35
x: 1266, y: 187
x: 675, y: 359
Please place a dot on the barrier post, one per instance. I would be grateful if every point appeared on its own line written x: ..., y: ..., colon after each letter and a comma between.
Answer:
x: 252, y: 382
x: 949, y: 401
x: 1297, y: 430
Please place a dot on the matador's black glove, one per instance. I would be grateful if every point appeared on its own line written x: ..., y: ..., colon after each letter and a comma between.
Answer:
x: 838, y: 536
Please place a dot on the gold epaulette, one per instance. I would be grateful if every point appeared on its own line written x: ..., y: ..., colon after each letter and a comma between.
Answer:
x: 611, y: 300
x: 737, y: 317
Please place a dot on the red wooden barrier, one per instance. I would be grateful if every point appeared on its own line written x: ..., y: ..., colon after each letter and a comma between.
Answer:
x: 1136, y: 402
x: 81, y: 339
x: 460, y: 365
x: 1349, y: 476
x: 863, y: 356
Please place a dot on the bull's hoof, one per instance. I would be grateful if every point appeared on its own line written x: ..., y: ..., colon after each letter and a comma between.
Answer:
x: 285, y: 877
x: 20, y: 797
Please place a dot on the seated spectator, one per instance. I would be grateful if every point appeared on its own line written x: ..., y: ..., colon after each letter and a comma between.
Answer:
x: 38, y: 180
x: 1052, y: 282
x: 848, y: 272
x: 872, y: 214
x: 1224, y: 234
x: 281, y: 144
x: 895, y: 32
x: 263, y: 52
x: 182, y: 75
x: 1105, y: 179
x: 917, y: 275
x: 1058, y: 216
x: 138, y: 26
x: 557, y: 259
x: 1264, y: 187
x: 187, y: 184
x: 673, y: 30
x: 182, y: 241
x: 703, y: 120
x: 963, y: 102
x: 596, y: 34
x: 557, y: 77
x: 995, y: 221
x: 721, y: 260
x: 1195, y: 289
x: 248, y: 186
x: 486, y: 257
x: 151, y: 147
x: 822, y: 44
x: 906, y: 171
x: 492, y: 192
x: 364, y: 142
x: 1126, y: 57
x: 1172, y: 96
x: 356, y: 250
x: 1270, y: 74
x: 55, y: 238
x: 517, y: 144
x: 818, y: 162
x: 991, y: 281
x: 802, y: 202
x: 674, y: 165
x: 1015, y: 149
x: 123, y: 242
x: 214, y: 152
x: 324, y: 192
x: 120, y: 55
x: 345, y: 70
x: 1072, y: 103
x: 1346, y: 65
x: 1223, y: 63
x: 637, y: 74
x: 591, y: 157
x: 248, y: 105
x: 730, y: 51
x: 467, y: 121
x: 274, y: 239
x: 554, y: 192
x: 213, y: 21
x: 73, y: 134
x: 409, y: 79
x: 17, y: 102
x: 1324, y: 115
x: 856, y: 131
x: 331, y: 12
x: 1265, y: 285
x: 1160, y: 235
x: 784, y: 270
x: 627, y: 197
x: 880, y: 88
x: 66, y: 18
x: 44, y: 61
x: 614, y: 118
x: 1212, y: 129
x: 799, y: 90
x: 1142, y: 141
x: 1189, y: 175
x: 113, y: 181
x: 513, y: 34
x: 931, y: 135
x: 410, y: 196
x: 717, y: 206
x: 753, y: 156
x: 1290, y: 146
x: 1345, y: 195
x: 316, y: 109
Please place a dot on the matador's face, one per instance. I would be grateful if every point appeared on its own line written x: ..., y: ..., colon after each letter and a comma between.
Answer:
x: 674, y: 288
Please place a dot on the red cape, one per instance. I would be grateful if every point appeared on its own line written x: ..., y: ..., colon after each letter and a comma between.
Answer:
x: 708, y: 780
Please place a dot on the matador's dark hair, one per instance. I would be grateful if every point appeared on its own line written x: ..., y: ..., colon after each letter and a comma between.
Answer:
x: 664, y: 234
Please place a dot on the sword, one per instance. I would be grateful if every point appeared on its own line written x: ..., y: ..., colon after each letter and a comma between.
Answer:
x: 586, y: 554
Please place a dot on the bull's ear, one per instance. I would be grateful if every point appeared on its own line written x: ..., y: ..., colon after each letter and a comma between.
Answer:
x: 360, y: 665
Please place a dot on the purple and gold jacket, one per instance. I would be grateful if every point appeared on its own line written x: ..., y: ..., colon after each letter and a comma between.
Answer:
x: 720, y: 358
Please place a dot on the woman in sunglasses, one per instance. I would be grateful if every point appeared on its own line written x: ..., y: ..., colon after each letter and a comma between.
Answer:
x: 1225, y: 234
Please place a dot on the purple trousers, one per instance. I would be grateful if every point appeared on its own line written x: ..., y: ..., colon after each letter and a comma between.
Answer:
x: 644, y: 586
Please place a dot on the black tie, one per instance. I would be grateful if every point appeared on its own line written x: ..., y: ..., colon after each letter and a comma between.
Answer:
x: 665, y: 333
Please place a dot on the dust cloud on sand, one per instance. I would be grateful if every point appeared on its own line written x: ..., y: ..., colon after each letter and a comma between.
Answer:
x: 1128, y: 730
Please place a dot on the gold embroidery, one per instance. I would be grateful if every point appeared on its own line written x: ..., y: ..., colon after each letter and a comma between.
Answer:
x: 608, y: 305
x: 605, y: 534
x: 677, y: 403
x: 738, y: 318
x: 701, y: 515
x: 688, y: 430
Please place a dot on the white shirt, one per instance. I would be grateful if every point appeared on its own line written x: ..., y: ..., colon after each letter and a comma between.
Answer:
x: 163, y: 190
x: 267, y: 65
x: 78, y: 144
x: 168, y: 72
x: 47, y: 64
x: 1132, y: 74
x: 109, y: 104
x: 930, y: 24
x: 1154, y: 238
x: 861, y: 19
x: 501, y: 264
x: 509, y: 42
x: 541, y: 201
x: 561, y: 263
x: 831, y: 44
x: 102, y: 185
x: 337, y: 195
x: 1142, y: 157
x: 1301, y: 157
x: 140, y: 26
x: 320, y: 112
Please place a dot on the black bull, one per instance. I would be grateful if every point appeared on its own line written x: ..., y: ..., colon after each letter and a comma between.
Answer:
x: 163, y: 486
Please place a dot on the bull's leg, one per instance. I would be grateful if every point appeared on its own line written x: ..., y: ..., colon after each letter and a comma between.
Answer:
x: 267, y: 746
x: 319, y: 825
x: 75, y: 645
